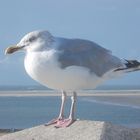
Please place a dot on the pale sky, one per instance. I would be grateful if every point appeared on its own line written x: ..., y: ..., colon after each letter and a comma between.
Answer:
x: 114, y: 24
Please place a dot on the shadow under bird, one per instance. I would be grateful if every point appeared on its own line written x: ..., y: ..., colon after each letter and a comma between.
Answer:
x: 69, y: 65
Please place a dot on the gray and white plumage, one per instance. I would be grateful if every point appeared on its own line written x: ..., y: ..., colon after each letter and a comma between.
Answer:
x: 87, y: 54
x: 73, y: 63
x: 69, y: 64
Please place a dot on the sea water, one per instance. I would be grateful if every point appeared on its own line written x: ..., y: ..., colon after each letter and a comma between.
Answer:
x: 25, y: 112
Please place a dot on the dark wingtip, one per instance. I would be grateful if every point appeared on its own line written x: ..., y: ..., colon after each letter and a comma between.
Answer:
x: 132, y: 65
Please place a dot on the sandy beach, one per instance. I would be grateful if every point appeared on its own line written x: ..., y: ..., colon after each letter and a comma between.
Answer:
x: 131, y: 97
x: 80, y: 93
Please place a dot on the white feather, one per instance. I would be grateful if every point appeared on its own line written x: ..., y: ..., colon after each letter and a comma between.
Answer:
x: 44, y: 68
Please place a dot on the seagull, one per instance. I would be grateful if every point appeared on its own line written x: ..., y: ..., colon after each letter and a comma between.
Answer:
x: 69, y: 65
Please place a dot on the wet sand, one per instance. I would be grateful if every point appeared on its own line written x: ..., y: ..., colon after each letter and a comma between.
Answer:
x: 80, y: 93
x: 131, y: 97
x: 118, y: 97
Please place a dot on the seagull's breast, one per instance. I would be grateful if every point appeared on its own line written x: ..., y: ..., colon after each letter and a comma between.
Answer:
x: 45, y: 68
x: 41, y: 65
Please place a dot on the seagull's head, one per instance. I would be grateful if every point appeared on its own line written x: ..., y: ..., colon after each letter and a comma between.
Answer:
x: 33, y: 41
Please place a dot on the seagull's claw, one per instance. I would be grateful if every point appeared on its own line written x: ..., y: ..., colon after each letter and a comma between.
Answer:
x: 54, y: 121
x: 64, y: 123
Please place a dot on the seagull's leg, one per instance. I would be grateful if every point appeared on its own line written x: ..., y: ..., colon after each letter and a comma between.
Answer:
x: 61, y: 114
x: 73, y: 106
x: 63, y: 97
x: 71, y: 118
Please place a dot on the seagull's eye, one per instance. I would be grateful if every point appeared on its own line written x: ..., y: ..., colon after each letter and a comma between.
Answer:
x: 32, y: 39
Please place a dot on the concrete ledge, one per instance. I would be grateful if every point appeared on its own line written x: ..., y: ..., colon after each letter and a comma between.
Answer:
x: 80, y: 130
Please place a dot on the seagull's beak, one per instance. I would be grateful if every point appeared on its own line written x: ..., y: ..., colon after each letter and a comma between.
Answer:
x: 12, y: 49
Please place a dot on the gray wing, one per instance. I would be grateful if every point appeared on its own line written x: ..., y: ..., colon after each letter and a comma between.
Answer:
x: 78, y: 52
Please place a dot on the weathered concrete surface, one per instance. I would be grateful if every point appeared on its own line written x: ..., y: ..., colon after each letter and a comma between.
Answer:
x: 80, y: 130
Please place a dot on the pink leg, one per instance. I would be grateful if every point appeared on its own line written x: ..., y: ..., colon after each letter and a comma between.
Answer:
x: 71, y: 119
x: 61, y: 114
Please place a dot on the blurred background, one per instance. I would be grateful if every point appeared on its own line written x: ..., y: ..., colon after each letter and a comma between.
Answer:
x: 110, y: 23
